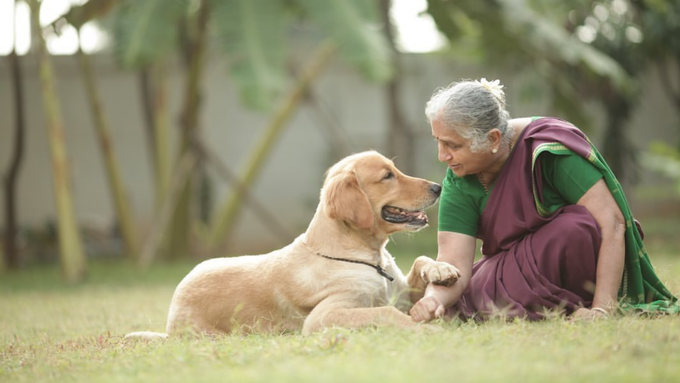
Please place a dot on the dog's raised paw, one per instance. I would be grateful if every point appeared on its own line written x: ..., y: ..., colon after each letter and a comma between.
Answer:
x: 440, y: 273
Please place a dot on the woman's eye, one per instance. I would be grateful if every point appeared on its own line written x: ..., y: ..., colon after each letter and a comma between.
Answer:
x: 447, y: 145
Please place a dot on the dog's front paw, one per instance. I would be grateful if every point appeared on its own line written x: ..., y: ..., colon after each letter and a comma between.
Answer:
x: 440, y: 273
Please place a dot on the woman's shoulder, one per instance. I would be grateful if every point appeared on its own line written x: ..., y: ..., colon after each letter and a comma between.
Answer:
x: 542, y: 121
x: 549, y: 128
x: 521, y: 122
x: 526, y: 120
x: 518, y: 124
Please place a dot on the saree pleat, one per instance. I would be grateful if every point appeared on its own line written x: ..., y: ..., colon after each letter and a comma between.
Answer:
x: 529, y: 279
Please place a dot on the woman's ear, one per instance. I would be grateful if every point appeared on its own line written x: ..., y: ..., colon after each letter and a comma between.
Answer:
x: 495, y: 137
x: 344, y: 200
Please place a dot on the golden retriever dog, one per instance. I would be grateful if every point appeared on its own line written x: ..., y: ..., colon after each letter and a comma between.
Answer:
x: 338, y: 273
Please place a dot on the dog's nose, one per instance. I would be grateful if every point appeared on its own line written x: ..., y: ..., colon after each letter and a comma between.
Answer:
x: 436, y: 189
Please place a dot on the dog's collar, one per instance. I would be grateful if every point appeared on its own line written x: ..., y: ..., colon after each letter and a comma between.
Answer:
x: 377, y: 268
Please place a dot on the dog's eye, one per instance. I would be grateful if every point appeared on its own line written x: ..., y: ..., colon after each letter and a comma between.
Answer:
x: 389, y: 175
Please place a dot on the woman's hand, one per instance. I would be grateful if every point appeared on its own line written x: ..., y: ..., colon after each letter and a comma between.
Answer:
x: 427, y: 309
x: 455, y: 249
x: 598, y: 200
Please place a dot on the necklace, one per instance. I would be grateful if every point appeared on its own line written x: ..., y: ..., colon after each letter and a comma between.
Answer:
x: 480, y: 176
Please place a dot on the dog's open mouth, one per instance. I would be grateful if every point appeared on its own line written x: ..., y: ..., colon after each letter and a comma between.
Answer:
x: 393, y: 214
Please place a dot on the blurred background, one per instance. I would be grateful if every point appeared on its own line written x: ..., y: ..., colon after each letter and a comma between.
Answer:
x: 160, y: 130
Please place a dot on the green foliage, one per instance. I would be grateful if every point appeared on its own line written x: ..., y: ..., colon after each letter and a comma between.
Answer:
x: 91, y: 10
x: 147, y: 30
x: 534, y: 37
x: 520, y: 33
x: 252, y: 32
x: 661, y: 22
x: 664, y: 159
x: 352, y: 26
x: 552, y: 42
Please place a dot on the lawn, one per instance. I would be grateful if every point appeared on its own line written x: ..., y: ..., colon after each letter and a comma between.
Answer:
x: 51, y: 332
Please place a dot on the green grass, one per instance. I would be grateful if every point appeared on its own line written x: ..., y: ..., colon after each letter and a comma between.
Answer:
x: 52, y: 332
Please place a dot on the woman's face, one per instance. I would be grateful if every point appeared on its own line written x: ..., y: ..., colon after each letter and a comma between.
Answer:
x: 455, y: 152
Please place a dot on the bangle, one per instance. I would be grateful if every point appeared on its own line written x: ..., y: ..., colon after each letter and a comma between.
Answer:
x: 600, y: 309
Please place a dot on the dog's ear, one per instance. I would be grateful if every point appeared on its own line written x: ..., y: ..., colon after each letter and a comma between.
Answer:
x: 345, y: 200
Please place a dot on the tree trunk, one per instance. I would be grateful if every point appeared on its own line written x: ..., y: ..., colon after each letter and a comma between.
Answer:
x: 668, y: 85
x: 147, y: 98
x: 617, y: 149
x: 400, y: 138
x: 164, y: 212
x: 339, y: 142
x: 153, y: 85
x: 12, y: 257
x: 666, y: 80
x: 177, y: 244
x: 223, y: 223
x: 161, y: 133
x: 120, y: 201
x: 267, y: 218
x: 71, y: 253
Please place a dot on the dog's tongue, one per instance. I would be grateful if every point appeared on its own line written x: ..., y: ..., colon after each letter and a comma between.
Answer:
x: 398, y: 215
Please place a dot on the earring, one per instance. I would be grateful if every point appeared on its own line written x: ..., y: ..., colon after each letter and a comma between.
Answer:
x: 494, y: 150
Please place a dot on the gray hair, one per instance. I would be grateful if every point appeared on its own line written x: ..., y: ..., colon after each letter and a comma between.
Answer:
x: 471, y: 109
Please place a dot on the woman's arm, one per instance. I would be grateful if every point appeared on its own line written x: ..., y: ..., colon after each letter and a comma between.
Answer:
x: 610, y: 263
x: 458, y: 250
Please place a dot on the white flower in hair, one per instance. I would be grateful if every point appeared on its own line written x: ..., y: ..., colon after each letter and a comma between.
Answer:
x: 494, y: 87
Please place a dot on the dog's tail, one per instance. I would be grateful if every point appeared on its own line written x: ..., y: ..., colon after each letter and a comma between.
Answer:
x: 146, y: 335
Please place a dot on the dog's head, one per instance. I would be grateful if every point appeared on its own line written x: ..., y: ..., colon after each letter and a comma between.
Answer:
x: 366, y: 190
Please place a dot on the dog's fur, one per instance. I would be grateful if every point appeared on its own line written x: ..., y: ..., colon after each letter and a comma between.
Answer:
x: 297, y: 287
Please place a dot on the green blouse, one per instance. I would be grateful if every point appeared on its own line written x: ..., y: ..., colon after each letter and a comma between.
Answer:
x: 566, y: 178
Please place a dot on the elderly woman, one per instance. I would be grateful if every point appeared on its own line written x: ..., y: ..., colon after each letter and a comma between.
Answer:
x: 557, y: 232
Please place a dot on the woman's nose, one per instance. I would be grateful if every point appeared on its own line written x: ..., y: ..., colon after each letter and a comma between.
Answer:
x: 444, y: 155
